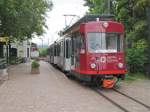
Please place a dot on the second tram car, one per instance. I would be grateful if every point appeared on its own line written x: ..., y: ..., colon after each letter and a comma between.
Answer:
x: 92, y: 49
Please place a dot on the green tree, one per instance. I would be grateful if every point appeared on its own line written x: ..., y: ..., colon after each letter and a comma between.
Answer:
x: 21, y: 19
x: 133, y: 14
x: 137, y: 56
x: 101, y: 6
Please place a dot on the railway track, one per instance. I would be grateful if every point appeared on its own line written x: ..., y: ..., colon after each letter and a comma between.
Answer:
x: 123, y: 101
x: 123, y: 104
x: 146, y: 106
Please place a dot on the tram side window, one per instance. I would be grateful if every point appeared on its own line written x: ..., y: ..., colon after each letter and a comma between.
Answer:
x: 55, y: 50
x: 67, y: 49
x: 78, y: 42
x: 73, y: 46
x: 52, y: 51
x: 64, y: 48
x: 82, y: 43
x: 61, y: 49
x: 58, y: 53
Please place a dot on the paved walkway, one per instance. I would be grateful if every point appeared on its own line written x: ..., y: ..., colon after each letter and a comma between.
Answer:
x: 49, y: 91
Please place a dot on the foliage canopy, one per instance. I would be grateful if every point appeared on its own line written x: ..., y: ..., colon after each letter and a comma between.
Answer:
x: 21, y: 19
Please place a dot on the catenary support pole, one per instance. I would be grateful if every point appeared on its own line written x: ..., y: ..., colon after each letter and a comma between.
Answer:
x: 148, y: 20
x: 109, y: 6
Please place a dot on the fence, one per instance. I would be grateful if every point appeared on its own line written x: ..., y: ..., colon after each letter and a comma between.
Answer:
x: 3, y: 63
x: 16, y: 60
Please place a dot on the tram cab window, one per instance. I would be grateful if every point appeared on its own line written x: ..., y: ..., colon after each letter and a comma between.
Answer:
x: 104, y: 42
x: 112, y: 42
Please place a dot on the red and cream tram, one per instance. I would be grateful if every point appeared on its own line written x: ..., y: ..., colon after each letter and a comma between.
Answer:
x: 96, y: 50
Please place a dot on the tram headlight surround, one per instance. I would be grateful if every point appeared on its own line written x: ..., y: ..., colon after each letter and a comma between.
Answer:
x: 93, y: 65
x: 120, y: 65
x: 105, y: 24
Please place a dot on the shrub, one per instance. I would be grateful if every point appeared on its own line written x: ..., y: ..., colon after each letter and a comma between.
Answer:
x: 137, y: 57
x: 35, y: 64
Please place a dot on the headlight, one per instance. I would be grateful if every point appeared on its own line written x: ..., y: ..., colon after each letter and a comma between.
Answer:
x: 120, y: 65
x: 93, y: 65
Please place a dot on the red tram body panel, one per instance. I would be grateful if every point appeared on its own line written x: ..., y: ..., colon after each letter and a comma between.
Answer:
x: 107, y: 63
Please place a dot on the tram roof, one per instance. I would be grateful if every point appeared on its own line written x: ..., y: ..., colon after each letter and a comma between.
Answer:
x: 88, y: 18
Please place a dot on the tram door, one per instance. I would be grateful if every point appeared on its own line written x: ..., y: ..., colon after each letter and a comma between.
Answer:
x: 73, y: 53
x: 67, y: 56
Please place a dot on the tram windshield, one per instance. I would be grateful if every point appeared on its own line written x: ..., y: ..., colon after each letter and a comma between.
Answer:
x: 104, y: 42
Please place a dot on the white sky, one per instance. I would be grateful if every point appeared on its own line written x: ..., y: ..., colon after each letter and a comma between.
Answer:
x: 56, y: 20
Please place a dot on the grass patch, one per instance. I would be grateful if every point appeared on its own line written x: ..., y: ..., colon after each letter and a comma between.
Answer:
x: 135, y: 77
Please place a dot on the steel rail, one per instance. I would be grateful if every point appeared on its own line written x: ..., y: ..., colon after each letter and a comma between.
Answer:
x: 110, y: 100
x: 137, y: 101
